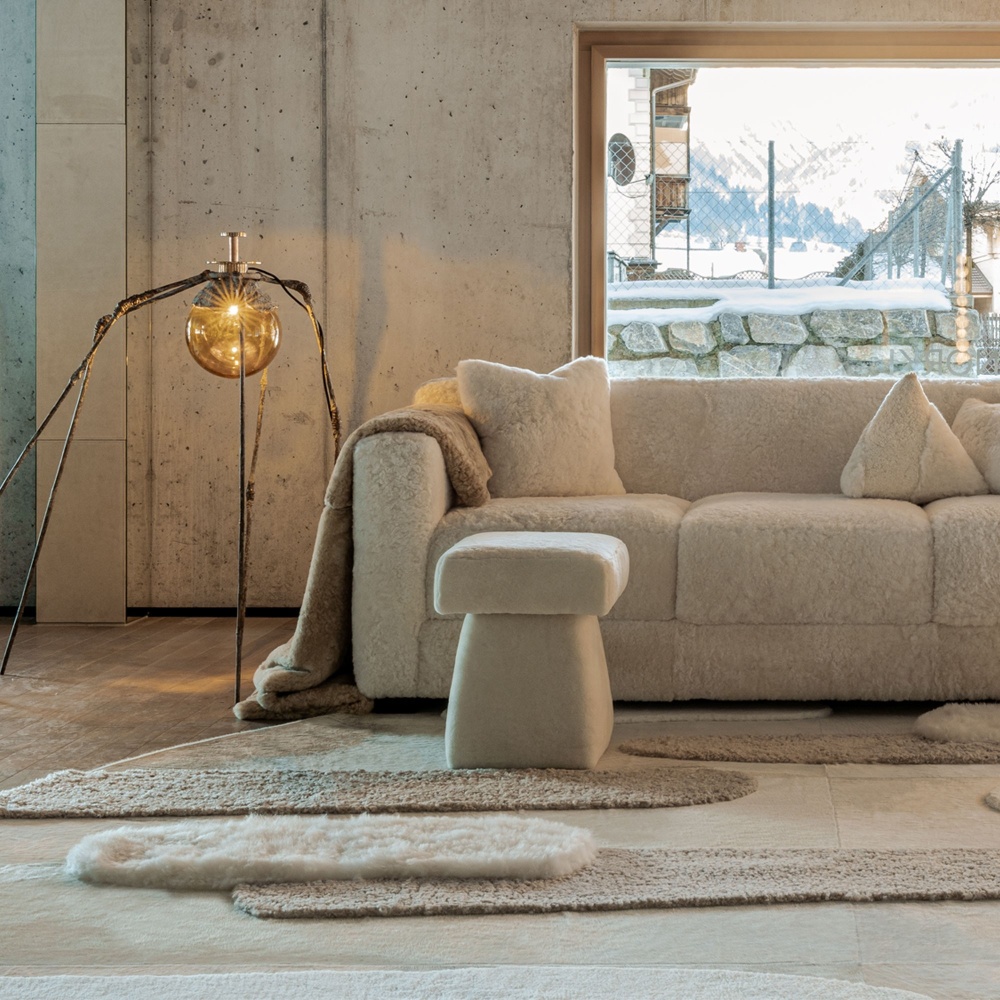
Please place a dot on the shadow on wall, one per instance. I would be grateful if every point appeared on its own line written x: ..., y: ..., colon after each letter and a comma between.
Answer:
x: 416, y: 314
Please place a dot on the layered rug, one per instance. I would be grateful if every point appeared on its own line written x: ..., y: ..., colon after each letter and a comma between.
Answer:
x: 890, y: 748
x: 219, y: 854
x: 195, y: 792
x: 483, y: 983
x: 646, y: 878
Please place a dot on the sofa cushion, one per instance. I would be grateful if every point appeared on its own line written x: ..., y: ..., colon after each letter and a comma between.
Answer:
x: 908, y: 452
x: 977, y: 426
x: 779, y: 558
x: 543, y: 435
x: 647, y: 525
x: 966, y: 532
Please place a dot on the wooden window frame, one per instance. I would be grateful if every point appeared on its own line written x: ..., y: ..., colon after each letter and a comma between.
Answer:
x: 889, y: 45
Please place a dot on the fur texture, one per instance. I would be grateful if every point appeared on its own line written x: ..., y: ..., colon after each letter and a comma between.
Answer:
x: 295, y: 679
x: 439, y: 390
x: 977, y: 426
x: 219, y: 854
x: 966, y: 560
x: 773, y: 558
x: 648, y: 526
x: 694, y: 438
x: 543, y: 435
x: 908, y: 452
x: 965, y: 723
x: 531, y: 573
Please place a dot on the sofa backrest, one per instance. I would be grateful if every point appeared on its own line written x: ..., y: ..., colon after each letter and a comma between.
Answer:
x: 691, y: 438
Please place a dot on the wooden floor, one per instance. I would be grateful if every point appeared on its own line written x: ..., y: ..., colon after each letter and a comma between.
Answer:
x: 78, y: 696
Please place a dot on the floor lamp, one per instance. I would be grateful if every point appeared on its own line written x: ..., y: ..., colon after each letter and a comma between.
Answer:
x: 232, y: 331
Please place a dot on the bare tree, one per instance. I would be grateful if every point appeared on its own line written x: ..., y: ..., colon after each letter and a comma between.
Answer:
x: 980, y: 175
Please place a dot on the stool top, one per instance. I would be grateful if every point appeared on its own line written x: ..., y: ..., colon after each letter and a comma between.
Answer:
x: 531, y: 573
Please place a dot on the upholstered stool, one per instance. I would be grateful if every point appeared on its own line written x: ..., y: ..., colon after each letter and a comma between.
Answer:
x: 530, y: 687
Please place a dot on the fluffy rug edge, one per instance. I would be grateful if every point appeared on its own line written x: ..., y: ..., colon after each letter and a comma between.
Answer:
x: 219, y: 854
x: 961, y: 722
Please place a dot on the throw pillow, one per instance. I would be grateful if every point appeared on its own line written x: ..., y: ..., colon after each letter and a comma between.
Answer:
x: 908, y: 452
x: 977, y: 426
x: 439, y: 390
x: 543, y: 435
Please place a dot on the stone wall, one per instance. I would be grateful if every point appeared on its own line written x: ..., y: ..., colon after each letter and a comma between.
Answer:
x: 826, y: 342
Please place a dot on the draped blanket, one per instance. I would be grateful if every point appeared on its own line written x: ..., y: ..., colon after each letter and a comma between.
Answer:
x: 311, y: 673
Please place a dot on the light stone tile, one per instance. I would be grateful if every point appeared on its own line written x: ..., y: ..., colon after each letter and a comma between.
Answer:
x: 81, y: 60
x: 941, y: 933
x: 943, y: 981
x: 912, y: 772
x: 785, y: 811
x: 86, y: 531
x: 920, y: 813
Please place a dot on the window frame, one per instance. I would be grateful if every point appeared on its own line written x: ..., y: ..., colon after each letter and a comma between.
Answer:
x: 701, y: 45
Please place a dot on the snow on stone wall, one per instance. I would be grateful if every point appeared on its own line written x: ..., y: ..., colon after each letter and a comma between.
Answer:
x: 799, y: 333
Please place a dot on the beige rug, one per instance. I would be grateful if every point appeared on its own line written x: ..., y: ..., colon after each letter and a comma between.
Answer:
x: 483, y: 983
x: 181, y: 792
x: 652, y: 878
x: 901, y: 748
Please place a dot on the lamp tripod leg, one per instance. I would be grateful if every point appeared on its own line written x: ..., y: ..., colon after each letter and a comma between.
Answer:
x: 43, y: 526
x: 241, y: 589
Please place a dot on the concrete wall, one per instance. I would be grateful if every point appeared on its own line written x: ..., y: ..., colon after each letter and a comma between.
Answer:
x: 80, y: 181
x: 17, y: 288
x: 413, y: 163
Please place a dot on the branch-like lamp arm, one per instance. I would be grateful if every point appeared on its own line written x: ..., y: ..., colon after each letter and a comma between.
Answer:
x: 306, y: 303
x: 101, y: 329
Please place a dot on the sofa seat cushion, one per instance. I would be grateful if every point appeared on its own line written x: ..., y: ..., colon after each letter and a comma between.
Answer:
x: 647, y: 524
x: 966, y: 533
x: 782, y: 558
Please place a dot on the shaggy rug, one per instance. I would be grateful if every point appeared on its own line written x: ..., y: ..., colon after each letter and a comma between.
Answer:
x: 219, y: 854
x: 175, y: 792
x: 484, y: 983
x: 901, y: 748
x: 715, y: 711
x: 648, y: 878
x: 964, y: 722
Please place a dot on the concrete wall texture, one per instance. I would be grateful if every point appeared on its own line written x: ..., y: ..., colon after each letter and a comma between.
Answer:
x: 413, y: 163
x: 17, y: 288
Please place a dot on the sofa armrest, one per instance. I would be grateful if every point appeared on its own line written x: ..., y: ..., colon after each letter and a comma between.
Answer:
x: 401, y: 492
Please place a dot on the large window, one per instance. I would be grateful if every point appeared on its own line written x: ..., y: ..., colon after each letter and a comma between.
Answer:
x: 790, y: 204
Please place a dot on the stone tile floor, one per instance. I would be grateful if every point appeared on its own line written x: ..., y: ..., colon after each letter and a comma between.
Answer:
x: 84, y: 696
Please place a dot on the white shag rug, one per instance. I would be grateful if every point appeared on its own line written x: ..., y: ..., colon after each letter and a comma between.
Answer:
x: 961, y: 722
x: 219, y: 854
x: 482, y: 983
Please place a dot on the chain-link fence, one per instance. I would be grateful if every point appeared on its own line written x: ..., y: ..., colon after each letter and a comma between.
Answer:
x: 675, y: 214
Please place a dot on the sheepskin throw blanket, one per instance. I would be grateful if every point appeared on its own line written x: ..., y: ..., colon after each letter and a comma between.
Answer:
x: 310, y: 674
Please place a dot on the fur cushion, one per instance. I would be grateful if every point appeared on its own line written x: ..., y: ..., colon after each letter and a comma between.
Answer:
x: 543, y: 435
x: 908, y: 452
x: 977, y: 426
x: 439, y: 390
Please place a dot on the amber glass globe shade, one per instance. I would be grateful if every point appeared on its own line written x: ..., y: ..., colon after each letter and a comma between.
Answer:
x: 220, y: 310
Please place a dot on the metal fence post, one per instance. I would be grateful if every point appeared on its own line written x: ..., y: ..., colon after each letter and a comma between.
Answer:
x: 770, y: 214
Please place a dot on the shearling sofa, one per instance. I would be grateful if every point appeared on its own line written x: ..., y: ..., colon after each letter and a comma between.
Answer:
x: 752, y: 576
